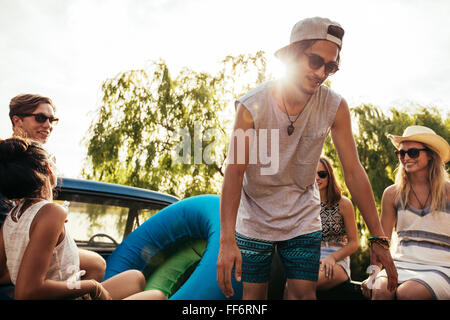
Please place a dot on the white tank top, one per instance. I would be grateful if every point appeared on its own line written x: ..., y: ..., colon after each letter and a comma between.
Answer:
x: 65, y: 262
x: 424, y: 237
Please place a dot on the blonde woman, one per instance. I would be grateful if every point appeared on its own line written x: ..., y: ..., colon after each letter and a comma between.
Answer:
x: 418, y: 206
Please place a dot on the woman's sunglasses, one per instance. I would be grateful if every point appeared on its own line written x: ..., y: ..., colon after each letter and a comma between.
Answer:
x: 316, y: 62
x: 322, y: 174
x: 412, y: 153
x: 40, y: 117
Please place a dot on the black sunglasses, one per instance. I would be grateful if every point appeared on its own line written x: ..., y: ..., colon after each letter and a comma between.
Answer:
x: 316, y: 62
x: 412, y: 153
x: 40, y: 117
x: 322, y: 174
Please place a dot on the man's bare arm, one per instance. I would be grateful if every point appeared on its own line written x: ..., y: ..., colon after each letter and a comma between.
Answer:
x: 354, y: 174
x: 229, y: 253
x: 359, y: 186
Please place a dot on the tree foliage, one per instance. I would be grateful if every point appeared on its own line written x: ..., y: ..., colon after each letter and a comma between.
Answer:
x: 135, y: 135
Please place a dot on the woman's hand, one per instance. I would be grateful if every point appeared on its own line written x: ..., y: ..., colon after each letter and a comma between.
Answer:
x: 327, y: 266
x: 99, y: 292
x: 369, y: 284
x: 367, y: 293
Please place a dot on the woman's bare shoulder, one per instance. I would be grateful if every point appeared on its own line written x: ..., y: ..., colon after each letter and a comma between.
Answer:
x: 345, y: 204
x: 51, y: 212
x: 345, y: 201
x: 390, y: 191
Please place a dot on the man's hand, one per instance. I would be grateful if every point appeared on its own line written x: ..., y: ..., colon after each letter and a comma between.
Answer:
x: 380, y: 255
x: 229, y: 257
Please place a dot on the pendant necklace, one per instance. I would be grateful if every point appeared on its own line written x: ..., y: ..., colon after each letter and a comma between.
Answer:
x: 420, y: 203
x: 291, y: 128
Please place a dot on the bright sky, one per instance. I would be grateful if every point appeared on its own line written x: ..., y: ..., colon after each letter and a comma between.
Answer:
x: 394, y: 52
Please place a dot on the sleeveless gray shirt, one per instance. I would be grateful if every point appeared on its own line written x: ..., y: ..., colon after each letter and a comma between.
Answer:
x: 279, y: 198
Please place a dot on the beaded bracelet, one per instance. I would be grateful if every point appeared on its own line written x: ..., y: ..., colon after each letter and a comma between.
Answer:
x: 382, y: 241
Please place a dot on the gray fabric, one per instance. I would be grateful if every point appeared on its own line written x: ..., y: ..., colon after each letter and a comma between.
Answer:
x: 284, y: 203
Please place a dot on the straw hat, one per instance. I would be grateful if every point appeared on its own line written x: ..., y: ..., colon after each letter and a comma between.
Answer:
x: 426, y: 136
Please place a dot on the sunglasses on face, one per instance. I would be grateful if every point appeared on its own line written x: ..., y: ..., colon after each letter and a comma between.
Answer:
x: 412, y: 153
x: 316, y: 62
x: 40, y: 117
x: 322, y: 174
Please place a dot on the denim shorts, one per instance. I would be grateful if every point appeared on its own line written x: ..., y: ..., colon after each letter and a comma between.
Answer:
x: 300, y: 257
x: 326, y: 250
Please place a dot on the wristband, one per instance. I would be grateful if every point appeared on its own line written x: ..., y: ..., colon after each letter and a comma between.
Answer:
x: 382, y: 241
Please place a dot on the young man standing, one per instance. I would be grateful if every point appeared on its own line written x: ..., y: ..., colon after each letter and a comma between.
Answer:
x: 261, y: 209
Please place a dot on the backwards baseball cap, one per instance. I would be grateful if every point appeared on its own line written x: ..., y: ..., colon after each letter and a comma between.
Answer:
x: 316, y: 28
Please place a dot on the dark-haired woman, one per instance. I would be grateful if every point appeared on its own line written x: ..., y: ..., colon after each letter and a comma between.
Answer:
x: 41, y: 257
x: 339, y: 233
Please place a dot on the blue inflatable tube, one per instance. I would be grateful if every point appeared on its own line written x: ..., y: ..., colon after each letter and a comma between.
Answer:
x: 192, y: 218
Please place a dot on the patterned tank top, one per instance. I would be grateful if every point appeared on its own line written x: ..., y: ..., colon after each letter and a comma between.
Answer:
x: 333, y: 227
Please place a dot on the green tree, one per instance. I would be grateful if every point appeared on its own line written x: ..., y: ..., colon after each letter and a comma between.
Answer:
x: 152, y: 131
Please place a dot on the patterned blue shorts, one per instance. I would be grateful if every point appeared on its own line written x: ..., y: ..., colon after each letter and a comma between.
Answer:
x: 300, y: 257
